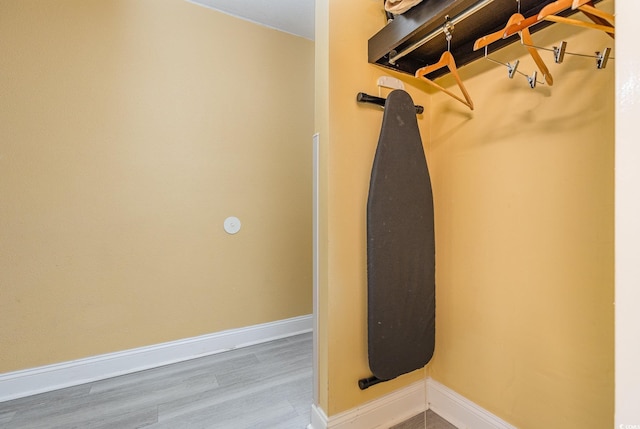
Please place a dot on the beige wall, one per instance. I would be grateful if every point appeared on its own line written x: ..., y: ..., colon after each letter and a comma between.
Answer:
x: 348, y: 136
x: 128, y: 132
x: 524, y: 205
x: 523, y: 190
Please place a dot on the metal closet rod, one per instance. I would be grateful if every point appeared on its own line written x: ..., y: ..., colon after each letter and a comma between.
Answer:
x: 456, y: 19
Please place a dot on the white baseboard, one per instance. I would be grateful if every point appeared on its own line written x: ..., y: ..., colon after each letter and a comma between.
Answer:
x: 380, y: 413
x: 460, y: 411
x: 405, y: 403
x: 51, y: 377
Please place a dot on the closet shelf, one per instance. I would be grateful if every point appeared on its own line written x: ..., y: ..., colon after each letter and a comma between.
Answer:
x: 428, y: 18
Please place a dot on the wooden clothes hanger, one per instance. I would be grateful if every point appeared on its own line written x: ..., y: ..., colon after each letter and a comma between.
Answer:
x: 446, y: 60
x: 587, y: 6
x: 525, y: 36
x: 610, y: 30
x: 494, y: 37
x: 582, y: 5
x: 601, y: 20
x: 519, y: 26
x: 599, y: 17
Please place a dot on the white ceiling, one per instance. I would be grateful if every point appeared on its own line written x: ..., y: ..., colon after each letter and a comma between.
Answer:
x: 291, y: 16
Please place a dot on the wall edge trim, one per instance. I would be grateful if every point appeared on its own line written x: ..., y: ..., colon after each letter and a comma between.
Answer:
x: 319, y: 419
x: 27, y: 382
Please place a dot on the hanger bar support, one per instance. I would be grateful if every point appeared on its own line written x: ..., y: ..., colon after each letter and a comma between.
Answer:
x: 453, y: 21
x: 379, y: 101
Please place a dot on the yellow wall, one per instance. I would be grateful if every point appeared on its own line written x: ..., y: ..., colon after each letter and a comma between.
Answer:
x: 348, y: 136
x: 128, y: 132
x: 524, y: 227
x: 523, y: 190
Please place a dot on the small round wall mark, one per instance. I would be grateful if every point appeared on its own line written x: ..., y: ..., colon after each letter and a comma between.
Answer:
x: 232, y: 225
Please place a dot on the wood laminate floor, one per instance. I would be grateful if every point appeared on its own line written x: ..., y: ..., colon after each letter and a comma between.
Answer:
x: 266, y: 386
x: 426, y: 420
x: 263, y: 386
